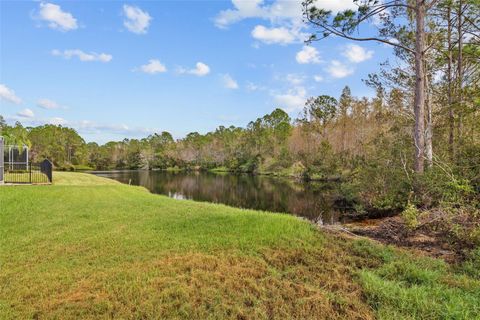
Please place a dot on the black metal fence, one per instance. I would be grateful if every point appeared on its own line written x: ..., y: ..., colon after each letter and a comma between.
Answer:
x: 28, y: 173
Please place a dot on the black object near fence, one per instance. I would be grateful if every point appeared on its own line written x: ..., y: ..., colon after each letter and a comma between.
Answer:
x: 28, y: 173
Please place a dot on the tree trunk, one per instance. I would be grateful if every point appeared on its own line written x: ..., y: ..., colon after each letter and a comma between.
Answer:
x: 451, y: 114
x: 419, y: 100
x: 429, y: 131
x: 460, y: 67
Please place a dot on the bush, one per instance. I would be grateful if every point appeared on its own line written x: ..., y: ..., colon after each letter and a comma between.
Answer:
x: 440, y: 187
x: 65, y: 167
x: 383, y: 188
x: 250, y: 166
x: 298, y: 170
x: 410, y: 216
x: 348, y: 198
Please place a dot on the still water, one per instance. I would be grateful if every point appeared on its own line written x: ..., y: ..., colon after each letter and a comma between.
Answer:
x: 312, y: 200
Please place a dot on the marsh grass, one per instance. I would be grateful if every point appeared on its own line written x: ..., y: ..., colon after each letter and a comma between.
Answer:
x: 90, y: 248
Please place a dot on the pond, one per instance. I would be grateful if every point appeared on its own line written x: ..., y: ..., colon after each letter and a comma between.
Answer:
x: 312, y: 200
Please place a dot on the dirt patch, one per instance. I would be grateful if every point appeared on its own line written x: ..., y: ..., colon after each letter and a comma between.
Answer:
x: 392, y: 230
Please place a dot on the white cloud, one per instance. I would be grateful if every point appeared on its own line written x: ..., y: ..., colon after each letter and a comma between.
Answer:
x: 277, y: 11
x: 336, y: 6
x: 295, y: 79
x: 200, y: 70
x: 152, y: 67
x: 57, y: 121
x: 308, y: 55
x: 229, y: 82
x: 9, y: 95
x: 274, y: 35
x: 339, y: 70
x: 83, y: 56
x: 357, y: 54
x: 48, y: 104
x: 28, y: 118
x: 243, y: 9
x: 137, y: 20
x: 87, y: 126
x: 26, y: 113
x: 393, y: 40
x: 250, y: 86
x: 286, y: 17
x: 56, y: 18
x: 293, y: 100
x: 378, y: 19
x: 318, y: 78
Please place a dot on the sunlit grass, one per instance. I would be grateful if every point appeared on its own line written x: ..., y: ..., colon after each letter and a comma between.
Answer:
x: 88, y: 248
x: 400, y: 286
x: 80, y: 179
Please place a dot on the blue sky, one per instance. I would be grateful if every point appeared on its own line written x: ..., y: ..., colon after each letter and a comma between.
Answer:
x: 115, y: 69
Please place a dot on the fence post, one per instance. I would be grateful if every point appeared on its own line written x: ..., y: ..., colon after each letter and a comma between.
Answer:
x: 46, y: 168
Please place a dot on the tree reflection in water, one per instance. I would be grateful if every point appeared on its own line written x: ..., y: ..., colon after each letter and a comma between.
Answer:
x: 311, y: 200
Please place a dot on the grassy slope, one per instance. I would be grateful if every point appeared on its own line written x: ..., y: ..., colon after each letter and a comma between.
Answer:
x: 89, y: 247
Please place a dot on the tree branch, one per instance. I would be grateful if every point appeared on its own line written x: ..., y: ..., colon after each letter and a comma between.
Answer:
x: 333, y: 30
x: 430, y: 6
x: 472, y: 23
x: 342, y: 34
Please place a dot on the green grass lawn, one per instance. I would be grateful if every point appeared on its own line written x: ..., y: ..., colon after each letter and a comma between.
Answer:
x: 91, y: 248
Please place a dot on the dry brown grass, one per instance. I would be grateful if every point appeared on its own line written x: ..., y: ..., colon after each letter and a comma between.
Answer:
x: 281, y: 284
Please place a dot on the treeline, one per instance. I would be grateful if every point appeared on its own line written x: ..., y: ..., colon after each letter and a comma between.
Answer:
x: 367, y: 142
x: 364, y: 143
x: 416, y: 142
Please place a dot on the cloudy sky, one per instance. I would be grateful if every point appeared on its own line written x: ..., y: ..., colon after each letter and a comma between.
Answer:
x: 114, y: 69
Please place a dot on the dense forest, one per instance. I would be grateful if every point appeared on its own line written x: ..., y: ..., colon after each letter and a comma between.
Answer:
x: 416, y: 144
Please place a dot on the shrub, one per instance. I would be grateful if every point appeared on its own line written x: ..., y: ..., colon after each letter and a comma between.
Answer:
x: 383, y: 188
x: 440, y: 187
x: 410, y: 216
